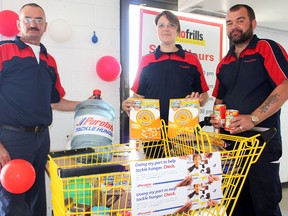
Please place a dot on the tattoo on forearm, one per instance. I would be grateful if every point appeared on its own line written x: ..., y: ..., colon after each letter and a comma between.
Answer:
x: 270, y: 100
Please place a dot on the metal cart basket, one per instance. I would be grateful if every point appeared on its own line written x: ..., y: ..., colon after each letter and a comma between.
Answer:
x: 97, y: 181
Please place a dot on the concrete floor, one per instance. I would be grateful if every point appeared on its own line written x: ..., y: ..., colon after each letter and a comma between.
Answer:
x: 284, y: 202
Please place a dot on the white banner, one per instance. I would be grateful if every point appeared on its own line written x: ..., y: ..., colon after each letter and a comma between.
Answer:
x: 175, y: 185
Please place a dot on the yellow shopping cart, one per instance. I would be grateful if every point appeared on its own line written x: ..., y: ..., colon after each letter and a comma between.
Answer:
x: 97, y: 181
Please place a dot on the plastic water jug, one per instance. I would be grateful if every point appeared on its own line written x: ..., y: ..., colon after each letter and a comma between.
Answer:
x: 94, y: 125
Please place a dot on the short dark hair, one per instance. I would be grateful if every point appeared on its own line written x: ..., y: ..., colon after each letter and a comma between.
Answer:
x: 32, y: 5
x: 170, y: 16
x: 250, y: 11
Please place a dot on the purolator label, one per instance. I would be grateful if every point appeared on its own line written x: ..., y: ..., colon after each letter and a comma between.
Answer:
x: 93, y: 124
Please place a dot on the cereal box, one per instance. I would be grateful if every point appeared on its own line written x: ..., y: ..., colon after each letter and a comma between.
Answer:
x: 145, y: 119
x: 183, y: 113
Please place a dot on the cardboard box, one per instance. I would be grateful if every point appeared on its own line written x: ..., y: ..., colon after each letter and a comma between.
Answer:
x: 145, y: 121
x: 113, y: 191
x: 113, y: 198
x: 183, y: 113
x: 79, y: 210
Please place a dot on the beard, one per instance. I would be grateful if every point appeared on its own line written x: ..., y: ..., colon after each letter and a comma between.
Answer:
x: 244, y: 36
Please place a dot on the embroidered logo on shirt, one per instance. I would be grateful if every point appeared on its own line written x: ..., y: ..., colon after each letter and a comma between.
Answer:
x: 184, y: 66
x: 250, y: 60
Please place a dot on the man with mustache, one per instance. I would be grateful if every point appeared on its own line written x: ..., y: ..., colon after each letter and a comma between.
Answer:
x: 29, y: 84
x: 252, y: 78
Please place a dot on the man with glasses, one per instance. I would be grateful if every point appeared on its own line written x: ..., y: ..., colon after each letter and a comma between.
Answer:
x: 29, y: 88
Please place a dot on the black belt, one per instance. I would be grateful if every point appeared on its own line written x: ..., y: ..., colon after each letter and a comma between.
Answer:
x: 37, y: 129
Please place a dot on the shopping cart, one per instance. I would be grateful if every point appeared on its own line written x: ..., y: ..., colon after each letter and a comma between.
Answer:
x: 97, y: 181
x: 236, y: 162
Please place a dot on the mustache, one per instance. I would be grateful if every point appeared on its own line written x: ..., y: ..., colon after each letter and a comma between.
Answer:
x: 33, y: 28
x: 236, y: 30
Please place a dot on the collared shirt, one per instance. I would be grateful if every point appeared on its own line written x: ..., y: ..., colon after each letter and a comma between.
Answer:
x: 168, y: 76
x: 244, y: 83
x: 27, y: 88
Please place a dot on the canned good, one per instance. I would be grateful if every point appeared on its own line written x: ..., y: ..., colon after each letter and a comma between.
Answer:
x: 68, y: 202
x: 230, y: 113
x: 220, y: 112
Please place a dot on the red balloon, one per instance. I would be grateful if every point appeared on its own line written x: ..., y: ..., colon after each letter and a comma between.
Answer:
x: 8, y: 23
x: 108, y: 68
x: 17, y: 176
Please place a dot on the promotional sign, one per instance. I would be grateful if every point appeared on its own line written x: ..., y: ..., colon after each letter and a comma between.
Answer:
x: 176, y: 185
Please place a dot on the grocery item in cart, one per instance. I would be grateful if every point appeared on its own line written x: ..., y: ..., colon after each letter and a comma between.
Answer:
x: 100, y: 210
x: 79, y: 208
x: 94, y: 125
x: 186, y: 143
x: 78, y: 190
x: 183, y: 113
x: 145, y: 119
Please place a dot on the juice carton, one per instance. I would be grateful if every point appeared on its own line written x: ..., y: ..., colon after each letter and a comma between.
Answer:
x: 145, y: 121
x: 183, y: 113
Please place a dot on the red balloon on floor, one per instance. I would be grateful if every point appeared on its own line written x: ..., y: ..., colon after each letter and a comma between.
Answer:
x: 17, y: 176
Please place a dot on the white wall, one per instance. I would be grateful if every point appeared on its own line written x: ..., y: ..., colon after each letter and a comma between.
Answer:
x: 77, y: 57
x: 280, y: 37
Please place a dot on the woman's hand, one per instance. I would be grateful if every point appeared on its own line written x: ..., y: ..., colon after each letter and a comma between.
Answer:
x: 203, y: 97
x: 127, y: 105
